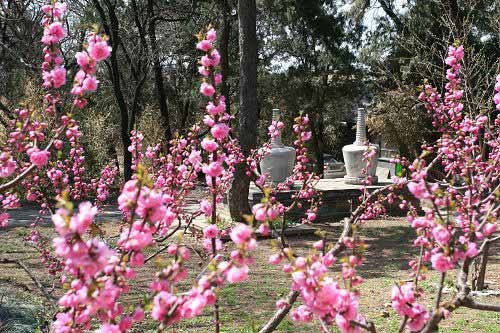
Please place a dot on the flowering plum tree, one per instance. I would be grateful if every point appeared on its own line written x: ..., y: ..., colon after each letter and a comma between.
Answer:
x: 459, y: 221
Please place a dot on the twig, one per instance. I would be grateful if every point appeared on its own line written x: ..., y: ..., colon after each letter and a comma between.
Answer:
x: 46, y: 294
x: 324, y: 326
x: 369, y: 326
x: 469, y: 302
x: 281, y: 313
x: 26, y: 172
x: 403, y: 325
x: 439, y: 291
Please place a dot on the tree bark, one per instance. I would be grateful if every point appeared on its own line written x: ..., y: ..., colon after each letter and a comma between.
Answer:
x: 114, y: 41
x: 279, y: 315
x: 158, y: 71
x: 238, y: 194
x: 318, y: 145
x: 479, y: 273
x: 224, y: 51
x: 128, y: 111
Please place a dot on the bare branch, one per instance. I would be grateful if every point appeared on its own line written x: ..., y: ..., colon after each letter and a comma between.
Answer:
x: 39, y: 285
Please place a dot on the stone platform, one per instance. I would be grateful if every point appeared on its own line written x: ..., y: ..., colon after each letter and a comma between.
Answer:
x: 338, y: 198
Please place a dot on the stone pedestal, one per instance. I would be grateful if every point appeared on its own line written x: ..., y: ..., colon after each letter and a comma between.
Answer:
x: 353, y: 155
x: 279, y: 163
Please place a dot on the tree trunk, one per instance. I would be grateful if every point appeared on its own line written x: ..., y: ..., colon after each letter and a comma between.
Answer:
x: 479, y: 272
x: 224, y: 52
x: 115, y: 79
x: 317, y: 141
x: 238, y: 194
x: 158, y: 70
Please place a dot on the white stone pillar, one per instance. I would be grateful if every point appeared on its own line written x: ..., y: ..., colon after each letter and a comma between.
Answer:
x: 279, y: 163
x: 353, y: 155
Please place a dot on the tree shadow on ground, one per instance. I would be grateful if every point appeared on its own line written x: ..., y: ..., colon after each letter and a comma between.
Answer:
x: 389, y: 247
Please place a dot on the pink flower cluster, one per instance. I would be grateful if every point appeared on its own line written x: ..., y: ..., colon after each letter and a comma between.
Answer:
x: 135, y: 147
x: 403, y: 302
x: 150, y: 205
x: 97, y: 49
x: 38, y: 157
x: 322, y: 296
x: 53, y: 74
x: 275, y: 128
x: 169, y: 308
x: 7, y: 164
x: 85, y: 261
x: 108, y: 176
x: 9, y: 201
x: 447, y: 242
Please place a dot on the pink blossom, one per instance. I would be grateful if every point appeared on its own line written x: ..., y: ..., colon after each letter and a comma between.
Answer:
x: 472, y: 250
x: 441, y: 262
x: 38, y: 157
x: 203, y: 71
x: 4, y: 220
x: 53, y: 33
x: 441, y: 234
x: 194, y: 306
x: 211, y: 35
x: 216, y: 109
x: 496, y: 98
x: 215, y: 58
x: 99, y: 50
x: 207, y: 244
x: 318, y: 245
x: 82, y: 221
x: 489, y: 228
x: 264, y: 229
x: 206, y: 207
x: 207, y: 89
x: 209, y: 145
x: 218, y: 79
x: 204, y: 45
x: 301, y: 313
x: 82, y: 58
x: 272, y: 213
x: 328, y: 259
x: 213, y: 169
x: 90, y: 83
x: 306, y: 136
x: 259, y: 212
x: 346, y: 326
x: 240, y: 233
x: 419, y: 317
x: 210, y: 231
x: 237, y: 274
x: 311, y: 216
x: 7, y: 165
x: 206, y: 61
x: 55, y: 78
x: 418, y: 190
x: 195, y: 157
x: 275, y: 259
x: 220, y: 131
x: 402, y: 298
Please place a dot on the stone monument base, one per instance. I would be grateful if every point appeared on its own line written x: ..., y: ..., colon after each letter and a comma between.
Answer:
x: 339, y: 199
x: 359, y: 180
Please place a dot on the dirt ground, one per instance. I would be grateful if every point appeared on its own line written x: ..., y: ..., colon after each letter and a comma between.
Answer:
x: 246, y: 307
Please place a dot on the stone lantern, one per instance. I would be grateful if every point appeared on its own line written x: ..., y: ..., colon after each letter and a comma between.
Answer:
x: 279, y: 163
x: 353, y: 155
